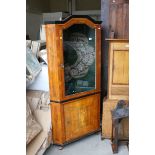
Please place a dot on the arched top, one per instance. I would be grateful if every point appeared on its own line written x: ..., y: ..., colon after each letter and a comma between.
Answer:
x: 71, y: 17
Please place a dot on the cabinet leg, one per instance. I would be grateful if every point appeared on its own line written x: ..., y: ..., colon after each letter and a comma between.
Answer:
x: 115, y: 136
x: 61, y: 147
x: 102, y: 138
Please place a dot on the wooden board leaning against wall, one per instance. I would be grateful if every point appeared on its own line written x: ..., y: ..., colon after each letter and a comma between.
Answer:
x: 119, y: 19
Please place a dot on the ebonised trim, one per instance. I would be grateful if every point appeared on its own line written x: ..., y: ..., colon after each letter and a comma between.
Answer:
x: 75, y: 97
x: 73, y: 16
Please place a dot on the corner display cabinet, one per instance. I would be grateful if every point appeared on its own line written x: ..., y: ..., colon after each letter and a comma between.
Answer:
x: 74, y: 53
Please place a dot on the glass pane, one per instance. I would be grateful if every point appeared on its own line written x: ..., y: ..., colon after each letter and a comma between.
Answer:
x: 79, y: 58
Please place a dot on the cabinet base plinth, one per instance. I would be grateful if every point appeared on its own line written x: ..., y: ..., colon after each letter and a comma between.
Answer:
x: 74, y: 140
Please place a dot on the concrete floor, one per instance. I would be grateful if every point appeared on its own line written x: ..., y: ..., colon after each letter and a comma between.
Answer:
x: 91, y: 145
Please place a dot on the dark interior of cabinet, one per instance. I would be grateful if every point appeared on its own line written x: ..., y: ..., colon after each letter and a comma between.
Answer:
x: 79, y: 58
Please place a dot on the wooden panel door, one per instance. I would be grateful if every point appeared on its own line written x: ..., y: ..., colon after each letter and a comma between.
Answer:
x: 82, y: 116
x: 120, y: 67
x: 118, y: 76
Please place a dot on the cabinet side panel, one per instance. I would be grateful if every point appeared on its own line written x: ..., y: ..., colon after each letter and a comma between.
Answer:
x: 58, y: 131
x: 82, y: 116
x: 53, y: 59
x: 98, y: 57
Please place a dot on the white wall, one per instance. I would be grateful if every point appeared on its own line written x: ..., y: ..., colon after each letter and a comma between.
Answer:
x: 41, y: 82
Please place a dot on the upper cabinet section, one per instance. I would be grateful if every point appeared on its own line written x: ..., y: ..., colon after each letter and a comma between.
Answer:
x: 74, y: 53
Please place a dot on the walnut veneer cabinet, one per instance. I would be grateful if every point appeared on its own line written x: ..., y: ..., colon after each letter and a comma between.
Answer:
x: 74, y: 53
x: 118, y: 69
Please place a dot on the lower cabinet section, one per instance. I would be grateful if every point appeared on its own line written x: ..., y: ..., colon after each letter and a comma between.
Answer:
x: 109, y: 105
x: 74, y: 119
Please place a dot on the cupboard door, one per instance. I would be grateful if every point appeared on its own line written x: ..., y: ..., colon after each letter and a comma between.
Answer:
x: 81, y: 116
x: 120, y: 67
x: 118, y: 87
